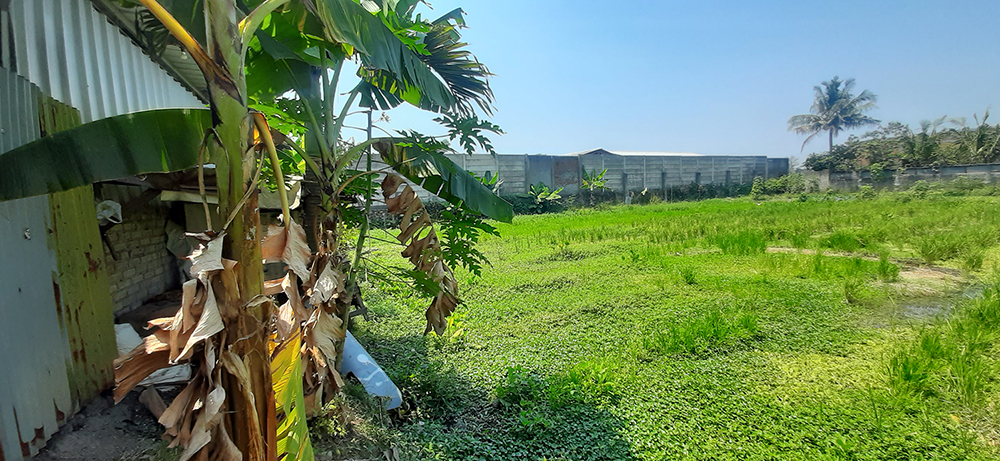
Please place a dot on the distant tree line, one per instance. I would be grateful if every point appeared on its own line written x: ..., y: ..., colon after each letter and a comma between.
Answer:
x: 895, y: 145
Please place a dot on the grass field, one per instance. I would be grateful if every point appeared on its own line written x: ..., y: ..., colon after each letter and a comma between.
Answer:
x: 831, y: 328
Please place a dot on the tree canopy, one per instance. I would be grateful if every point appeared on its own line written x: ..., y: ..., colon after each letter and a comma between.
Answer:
x: 834, y: 109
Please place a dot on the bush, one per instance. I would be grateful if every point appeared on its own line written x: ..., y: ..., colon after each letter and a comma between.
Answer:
x: 867, y: 192
x: 757, y: 190
x: 920, y: 188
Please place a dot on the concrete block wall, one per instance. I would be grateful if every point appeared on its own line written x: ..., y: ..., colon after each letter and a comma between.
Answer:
x: 653, y: 172
x: 852, y: 180
x: 144, y: 267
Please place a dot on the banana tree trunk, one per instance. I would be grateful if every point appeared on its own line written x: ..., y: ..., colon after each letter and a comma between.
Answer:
x: 253, y: 430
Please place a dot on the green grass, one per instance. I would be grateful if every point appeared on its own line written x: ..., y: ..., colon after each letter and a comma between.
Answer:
x: 668, y: 332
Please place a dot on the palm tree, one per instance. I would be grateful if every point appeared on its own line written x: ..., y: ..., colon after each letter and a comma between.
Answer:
x: 834, y: 109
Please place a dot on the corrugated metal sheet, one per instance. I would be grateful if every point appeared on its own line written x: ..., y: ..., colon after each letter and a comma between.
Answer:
x: 55, y: 304
x: 54, y: 297
x: 76, y: 56
x: 34, y: 390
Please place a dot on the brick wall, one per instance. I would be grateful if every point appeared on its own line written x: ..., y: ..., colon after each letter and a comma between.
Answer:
x: 140, y: 267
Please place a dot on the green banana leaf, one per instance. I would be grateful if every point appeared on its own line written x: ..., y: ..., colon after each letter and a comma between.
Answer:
x: 433, y: 171
x: 350, y: 23
x: 155, y: 141
x: 465, y: 77
x: 286, y: 379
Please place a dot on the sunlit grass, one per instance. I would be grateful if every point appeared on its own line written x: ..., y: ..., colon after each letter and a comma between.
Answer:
x: 715, y: 330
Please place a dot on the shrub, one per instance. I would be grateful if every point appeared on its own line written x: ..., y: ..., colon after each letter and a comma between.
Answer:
x: 920, y: 188
x: 867, y: 192
x: 757, y: 190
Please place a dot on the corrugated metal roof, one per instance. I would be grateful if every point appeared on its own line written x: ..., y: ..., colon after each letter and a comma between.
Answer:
x: 174, y: 59
x: 76, y: 56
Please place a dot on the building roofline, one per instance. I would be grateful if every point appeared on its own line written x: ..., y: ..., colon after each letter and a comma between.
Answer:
x: 173, y: 60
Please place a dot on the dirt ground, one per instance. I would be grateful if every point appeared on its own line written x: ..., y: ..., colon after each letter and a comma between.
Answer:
x: 105, y: 431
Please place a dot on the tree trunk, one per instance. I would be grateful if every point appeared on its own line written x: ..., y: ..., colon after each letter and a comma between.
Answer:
x: 245, y: 332
x: 831, y: 142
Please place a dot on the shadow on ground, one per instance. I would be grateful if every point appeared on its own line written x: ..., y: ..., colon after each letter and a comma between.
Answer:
x: 445, y: 416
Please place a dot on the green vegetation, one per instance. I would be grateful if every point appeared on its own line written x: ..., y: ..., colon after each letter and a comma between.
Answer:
x: 722, y: 329
x: 894, y: 145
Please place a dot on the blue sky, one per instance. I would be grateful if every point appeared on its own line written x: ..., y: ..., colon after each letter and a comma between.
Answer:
x: 717, y: 77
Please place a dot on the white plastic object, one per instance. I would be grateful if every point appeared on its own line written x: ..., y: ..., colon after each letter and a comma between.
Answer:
x: 376, y: 382
x: 109, y: 211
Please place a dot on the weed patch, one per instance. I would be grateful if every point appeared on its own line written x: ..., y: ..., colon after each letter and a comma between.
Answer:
x: 716, y: 329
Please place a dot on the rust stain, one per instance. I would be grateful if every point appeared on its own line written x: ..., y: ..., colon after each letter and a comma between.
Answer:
x: 58, y: 295
x: 60, y: 418
x: 93, y: 264
x: 25, y: 447
x: 39, y: 435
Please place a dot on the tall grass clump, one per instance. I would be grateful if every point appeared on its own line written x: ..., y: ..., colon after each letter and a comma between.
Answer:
x: 842, y: 240
x: 588, y: 382
x: 800, y: 240
x: 972, y: 259
x: 714, y: 329
x: 886, y: 271
x: 687, y: 275
x: 938, y: 246
x: 951, y: 361
x: 742, y: 243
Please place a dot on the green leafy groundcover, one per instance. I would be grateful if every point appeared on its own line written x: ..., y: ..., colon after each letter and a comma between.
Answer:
x: 629, y: 333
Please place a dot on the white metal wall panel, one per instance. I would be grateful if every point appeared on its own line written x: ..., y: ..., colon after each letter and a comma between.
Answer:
x: 76, y: 56
x: 34, y: 392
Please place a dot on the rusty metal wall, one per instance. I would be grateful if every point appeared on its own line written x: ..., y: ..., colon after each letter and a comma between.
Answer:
x: 34, y: 390
x: 57, y: 339
x: 76, y: 56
